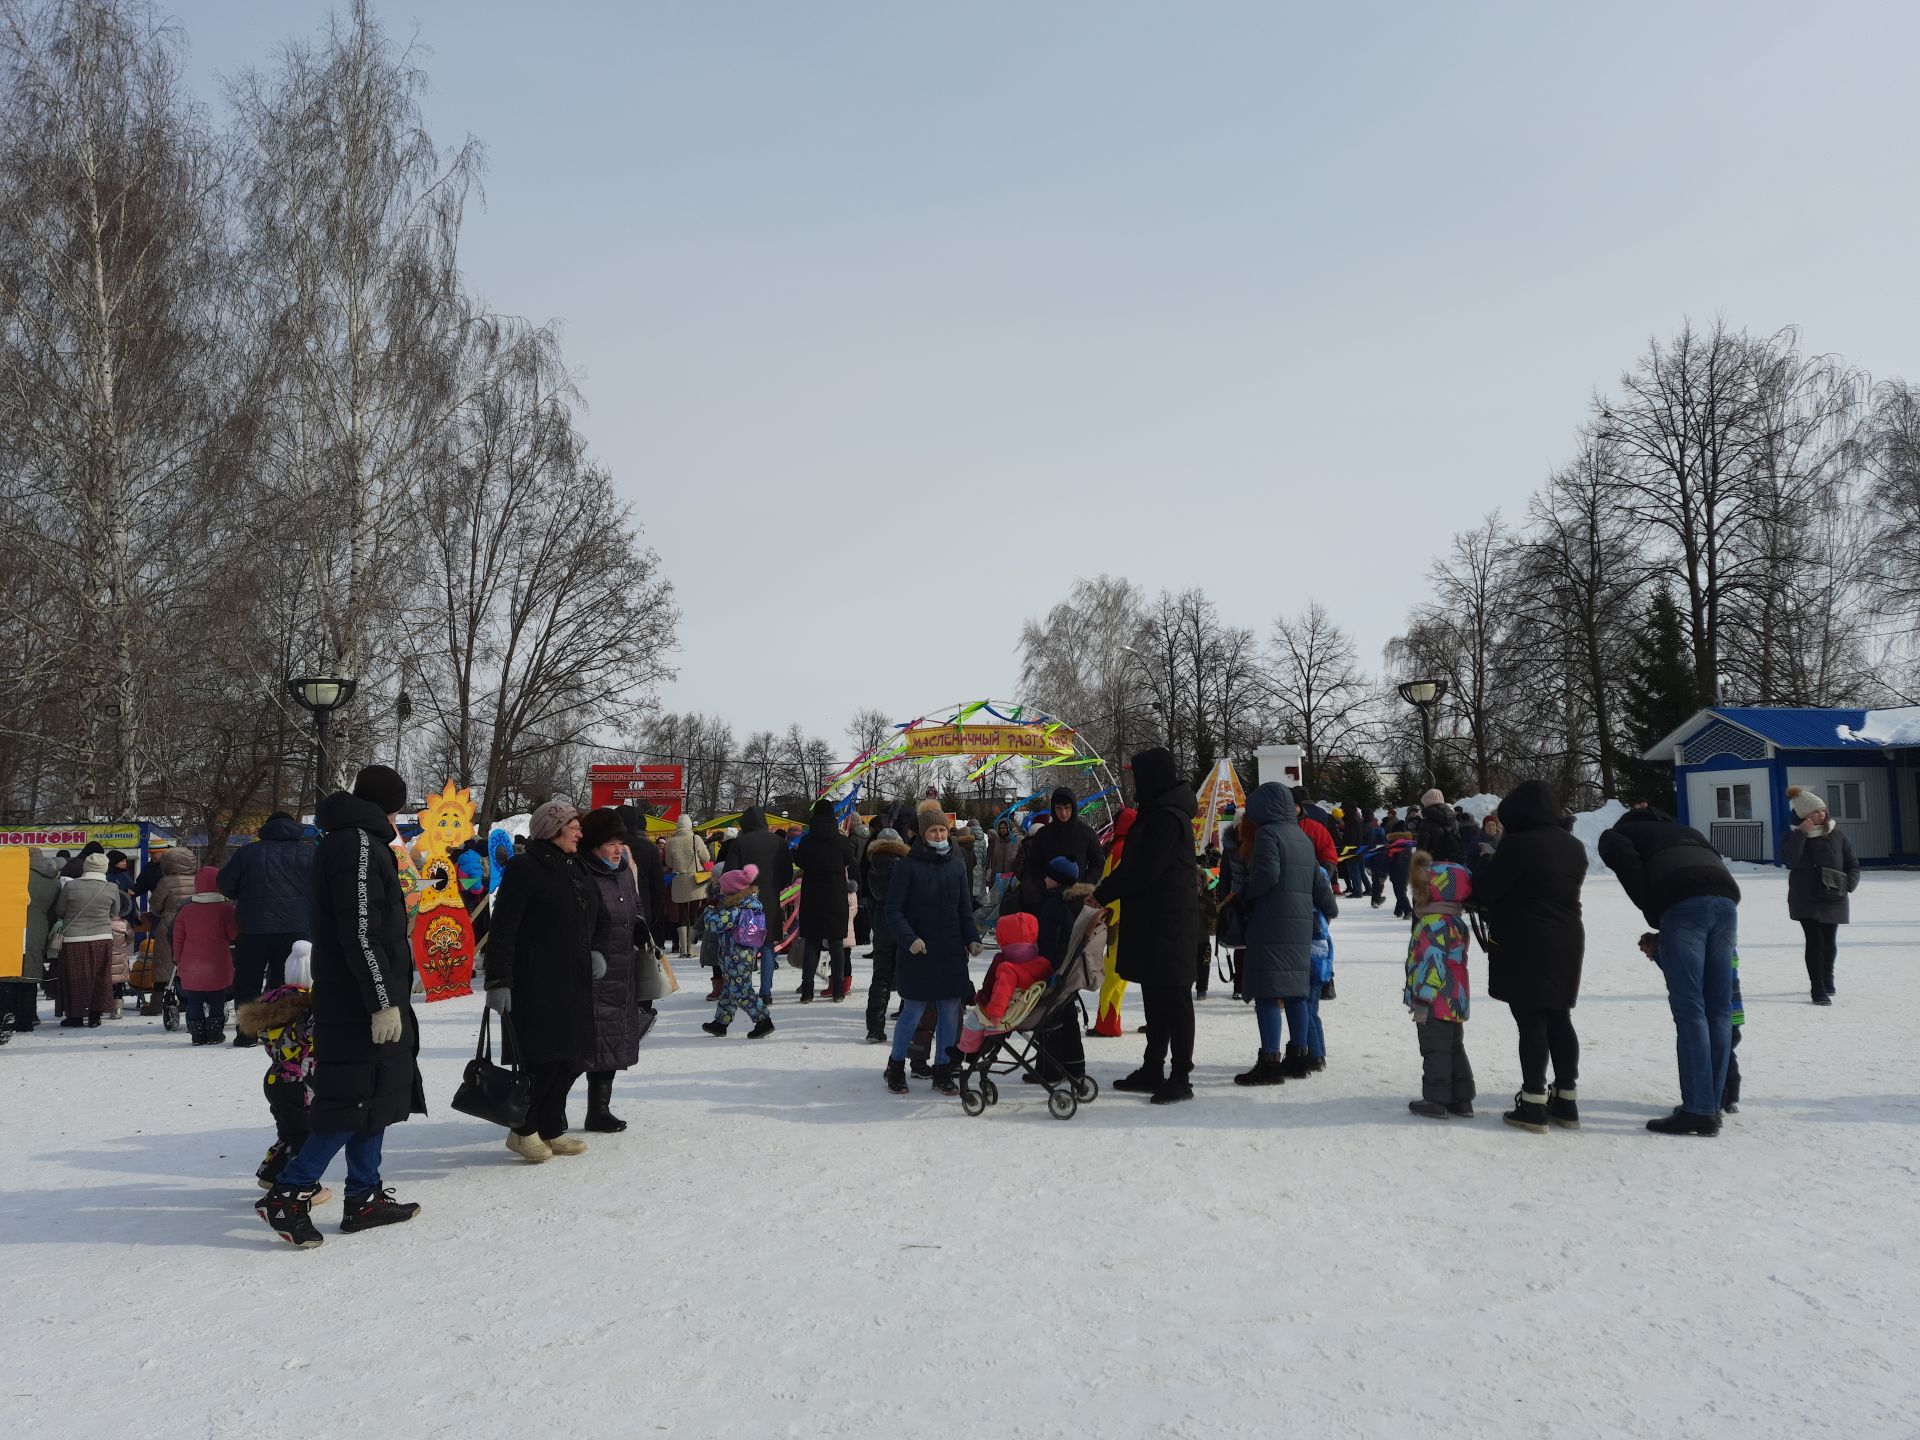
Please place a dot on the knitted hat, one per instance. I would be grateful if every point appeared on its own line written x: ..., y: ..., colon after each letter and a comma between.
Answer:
x: 597, y: 827
x: 734, y: 881
x: 551, y: 818
x: 382, y: 787
x: 1804, y: 802
x: 94, y: 864
x: 1432, y: 797
x: 1062, y: 869
x: 930, y: 813
x: 1017, y: 929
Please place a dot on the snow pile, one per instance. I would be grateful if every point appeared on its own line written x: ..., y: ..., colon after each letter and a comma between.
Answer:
x: 1900, y: 726
x: 1479, y: 806
x: 1590, y: 825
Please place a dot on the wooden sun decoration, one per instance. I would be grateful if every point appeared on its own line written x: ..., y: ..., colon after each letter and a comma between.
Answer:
x: 446, y: 823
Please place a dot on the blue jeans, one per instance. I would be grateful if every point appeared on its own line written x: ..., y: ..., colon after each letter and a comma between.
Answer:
x: 1268, y: 1012
x: 363, y: 1159
x: 769, y: 962
x: 1316, y: 1037
x: 1297, y: 1020
x: 946, y: 1027
x: 1697, y: 939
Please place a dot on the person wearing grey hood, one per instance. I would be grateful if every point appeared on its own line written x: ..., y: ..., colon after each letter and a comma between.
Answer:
x: 884, y: 851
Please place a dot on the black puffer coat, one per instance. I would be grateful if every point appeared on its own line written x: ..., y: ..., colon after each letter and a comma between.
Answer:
x: 1160, y: 914
x: 1278, y: 889
x: 1438, y: 833
x: 269, y: 881
x: 1805, y: 856
x: 362, y: 962
x: 824, y: 856
x: 616, y: 999
x: 1529, y: 891
x: 885, y: 853
x: 547, y: 921
x: 1660, y: 863
x: 928, y: 899
x: 1072, y: 838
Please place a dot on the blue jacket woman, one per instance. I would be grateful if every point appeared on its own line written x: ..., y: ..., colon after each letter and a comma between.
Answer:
x: 1278, y: 886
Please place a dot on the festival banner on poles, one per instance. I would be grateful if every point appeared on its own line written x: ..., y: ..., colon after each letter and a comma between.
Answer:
x: 1220, y: 789
x: 939, y: 740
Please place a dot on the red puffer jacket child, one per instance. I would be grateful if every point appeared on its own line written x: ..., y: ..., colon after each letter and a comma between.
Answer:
x: 1018, y: 965
x: 204, y: 930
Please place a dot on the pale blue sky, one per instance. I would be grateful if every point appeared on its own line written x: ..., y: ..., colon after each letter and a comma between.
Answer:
x: 1269, y: 298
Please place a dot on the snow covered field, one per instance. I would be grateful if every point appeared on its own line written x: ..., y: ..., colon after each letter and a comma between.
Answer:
x: 778, y: 1247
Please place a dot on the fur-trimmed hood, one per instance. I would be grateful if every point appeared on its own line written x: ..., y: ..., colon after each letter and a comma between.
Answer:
x: 736, y: 899
x: 896, y: 847
x: 1079, y: 891
x: 274, y: 1010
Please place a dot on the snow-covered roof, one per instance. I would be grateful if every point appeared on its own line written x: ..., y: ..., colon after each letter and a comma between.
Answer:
x: 1785, y: 727
x: 1900, y: 726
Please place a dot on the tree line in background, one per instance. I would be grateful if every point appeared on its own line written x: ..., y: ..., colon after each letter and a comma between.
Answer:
x: 254, y: 425
x: 1739, y: 524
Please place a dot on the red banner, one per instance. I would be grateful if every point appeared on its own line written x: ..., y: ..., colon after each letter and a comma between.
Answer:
x: 655, y: 788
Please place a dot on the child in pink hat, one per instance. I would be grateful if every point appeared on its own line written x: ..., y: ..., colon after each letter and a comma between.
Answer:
x: 739, y: 924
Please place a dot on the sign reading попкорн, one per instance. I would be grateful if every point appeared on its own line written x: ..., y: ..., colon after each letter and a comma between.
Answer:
x: 72, y: 837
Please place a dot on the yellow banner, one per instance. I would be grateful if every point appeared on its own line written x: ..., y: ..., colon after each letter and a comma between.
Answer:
x: 13, y: 911
x: 936, y: 740
x: 72, y: 837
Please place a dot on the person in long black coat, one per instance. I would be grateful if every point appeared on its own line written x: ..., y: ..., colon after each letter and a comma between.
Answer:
x: 366, y: 1042
x: 825, y: 859
x: 1529, y: 891
x: 546, y: 948
x: 1822, y: 871
x: 620, y: 1021
x: 1160, y: 891
x: 930, y: 916
x: 885, y: 851
x: 758, y: 846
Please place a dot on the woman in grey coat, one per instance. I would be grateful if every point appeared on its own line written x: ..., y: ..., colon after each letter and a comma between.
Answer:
x: 1278, y: 886
x: 1822, y: 872
x: 86, y: 910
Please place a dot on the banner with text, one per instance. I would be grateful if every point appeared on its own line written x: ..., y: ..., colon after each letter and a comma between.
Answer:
x: 937, y: 740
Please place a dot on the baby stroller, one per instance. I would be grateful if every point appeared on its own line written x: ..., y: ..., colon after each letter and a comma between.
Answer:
x: 1014, y: 1044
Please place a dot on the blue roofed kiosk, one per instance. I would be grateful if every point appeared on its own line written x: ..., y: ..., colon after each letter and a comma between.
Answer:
x: 1733, y: 765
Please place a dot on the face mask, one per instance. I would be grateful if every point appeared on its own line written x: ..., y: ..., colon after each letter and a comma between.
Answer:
x: 939, y: 847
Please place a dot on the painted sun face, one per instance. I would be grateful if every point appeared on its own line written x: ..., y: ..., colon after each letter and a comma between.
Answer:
x: 447, y: 821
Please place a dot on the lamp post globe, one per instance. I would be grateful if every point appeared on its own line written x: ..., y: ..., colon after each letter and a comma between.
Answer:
x: 1423, y: 695
x: 321, y: 695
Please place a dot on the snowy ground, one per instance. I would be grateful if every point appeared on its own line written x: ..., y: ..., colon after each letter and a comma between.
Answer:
x: 778, y: 1247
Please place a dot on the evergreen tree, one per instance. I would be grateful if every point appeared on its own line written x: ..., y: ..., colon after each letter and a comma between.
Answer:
x: 1660, y: 693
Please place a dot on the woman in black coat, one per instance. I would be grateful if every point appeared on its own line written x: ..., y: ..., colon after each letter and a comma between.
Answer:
x: 1160, y: 922
x: 1822, y: 871
x: 1529, y: 892
x: 824, y: 858
x: 619, y: 1019
x: 546, y: 948
x: 930, y: 916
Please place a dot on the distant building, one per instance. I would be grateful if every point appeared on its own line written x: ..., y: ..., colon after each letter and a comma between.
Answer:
x: 1732, y: 767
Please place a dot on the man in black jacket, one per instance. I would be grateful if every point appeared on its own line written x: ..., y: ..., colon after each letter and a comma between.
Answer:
x: 366, y: 1042
x: 1159, y: 892
x: 1064, y: 834
x: 757, y: 845
x: 268, y: 883
x: 1684, y: 889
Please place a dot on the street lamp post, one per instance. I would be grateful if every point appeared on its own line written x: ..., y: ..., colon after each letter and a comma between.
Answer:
x: 1423, y: 695
x: 321, y: 695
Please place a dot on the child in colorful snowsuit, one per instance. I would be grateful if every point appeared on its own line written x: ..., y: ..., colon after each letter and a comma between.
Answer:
x: 283, y: 1019
x: 204, y: 930
x: 1436, y: 990
x: 738, y: 925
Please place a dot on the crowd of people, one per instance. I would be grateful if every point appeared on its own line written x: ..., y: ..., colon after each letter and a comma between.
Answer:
x: 308, y: 940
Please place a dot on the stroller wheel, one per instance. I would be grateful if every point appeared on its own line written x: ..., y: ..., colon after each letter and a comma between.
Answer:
x: 6, y: 1027
x: 973, y: 1102
x: 170, y: 1012
x: 1086, y: 1089
x: 989, y: 1091
x: 1061, y: 1104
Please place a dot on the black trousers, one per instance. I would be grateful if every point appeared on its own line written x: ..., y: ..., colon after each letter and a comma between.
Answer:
x: 862, y: 924
x: 1169, y: 1028
x: 1823, y: 945
x: 1731, y: 1095
x: 839, y: 964
x: 880, y: 988
x: 20, y: 999
x: 1546, y: 1034
x: 260, y: 964
x: 288, y: 1102
x: 547, y: 1112
x: 1203, y: 966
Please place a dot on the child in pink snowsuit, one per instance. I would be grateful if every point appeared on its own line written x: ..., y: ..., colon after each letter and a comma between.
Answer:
x: 1018, y: 965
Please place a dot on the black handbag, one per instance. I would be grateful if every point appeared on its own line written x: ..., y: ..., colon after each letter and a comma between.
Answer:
x: 1230, y: 926
x: 494, y: 1092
